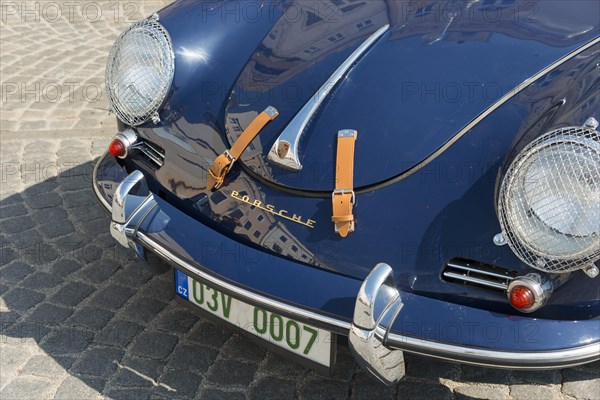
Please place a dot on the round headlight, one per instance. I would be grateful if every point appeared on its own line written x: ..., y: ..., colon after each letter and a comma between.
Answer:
x: 139, y: 71
x: 549, y: 203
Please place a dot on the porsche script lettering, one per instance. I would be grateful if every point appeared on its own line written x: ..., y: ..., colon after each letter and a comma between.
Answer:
x: 271, y: 209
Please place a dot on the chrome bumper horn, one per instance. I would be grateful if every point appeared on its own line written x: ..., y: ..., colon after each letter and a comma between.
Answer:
x: 132, y: 202
x: 377, y: 306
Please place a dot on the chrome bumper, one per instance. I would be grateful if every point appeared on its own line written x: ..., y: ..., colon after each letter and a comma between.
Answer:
x: 374, y: 346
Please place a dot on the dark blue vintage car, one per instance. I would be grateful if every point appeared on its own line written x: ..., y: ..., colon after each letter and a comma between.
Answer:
x: 415, y: 176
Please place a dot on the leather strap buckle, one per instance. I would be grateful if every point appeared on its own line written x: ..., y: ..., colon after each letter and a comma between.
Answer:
x: 344, y: 191
x: 230, y: 156
x: 344, y: 218
x: 217, y: 172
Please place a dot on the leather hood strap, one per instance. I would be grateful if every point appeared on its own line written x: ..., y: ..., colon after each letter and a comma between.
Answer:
x: 224, y: 162
x: 343, y: 197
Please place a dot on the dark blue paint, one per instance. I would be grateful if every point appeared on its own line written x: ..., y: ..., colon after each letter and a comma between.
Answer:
x: 445, y: 210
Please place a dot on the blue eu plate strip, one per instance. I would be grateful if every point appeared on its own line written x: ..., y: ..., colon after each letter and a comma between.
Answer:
x: 181, y: 284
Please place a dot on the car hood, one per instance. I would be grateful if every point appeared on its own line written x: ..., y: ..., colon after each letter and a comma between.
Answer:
x: 409, y: 93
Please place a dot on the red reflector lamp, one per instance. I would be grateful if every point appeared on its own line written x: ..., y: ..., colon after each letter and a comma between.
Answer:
x: 117, y: 148
x: 521, y: 297
x: 528, y: 293
x: 122, y: 143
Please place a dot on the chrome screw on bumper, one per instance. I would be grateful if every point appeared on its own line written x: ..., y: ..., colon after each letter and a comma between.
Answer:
x: 377, y: 306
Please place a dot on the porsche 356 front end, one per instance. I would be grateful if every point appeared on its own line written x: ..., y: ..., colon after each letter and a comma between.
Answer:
x: 416, y: 177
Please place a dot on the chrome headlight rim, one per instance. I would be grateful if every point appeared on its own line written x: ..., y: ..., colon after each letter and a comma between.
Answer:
x: 159, y: 33
x: 585, y: 138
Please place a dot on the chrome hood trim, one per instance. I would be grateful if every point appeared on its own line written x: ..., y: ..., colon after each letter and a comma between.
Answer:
x: 284, y: 152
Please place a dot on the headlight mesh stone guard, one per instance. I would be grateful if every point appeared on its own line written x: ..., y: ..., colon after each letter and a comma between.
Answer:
x: 549, y: 201
x: 139, y: 72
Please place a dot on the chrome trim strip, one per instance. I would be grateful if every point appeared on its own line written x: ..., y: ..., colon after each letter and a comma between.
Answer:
x: 156, y: 156
x: 552, y: 359
x: 478, y: 271
x: 154, y: 150
x: 478, y: 281
x: 152, y: 154
x: 290, y: 137
x: 99, y: 195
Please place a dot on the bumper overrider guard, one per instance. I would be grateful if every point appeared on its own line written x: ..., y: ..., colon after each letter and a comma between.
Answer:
x: 378, y: 303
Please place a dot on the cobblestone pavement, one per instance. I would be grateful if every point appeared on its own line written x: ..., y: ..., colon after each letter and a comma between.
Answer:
x: 80, y: 317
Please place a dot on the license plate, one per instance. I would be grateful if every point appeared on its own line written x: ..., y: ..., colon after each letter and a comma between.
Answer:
x: 306, y: 341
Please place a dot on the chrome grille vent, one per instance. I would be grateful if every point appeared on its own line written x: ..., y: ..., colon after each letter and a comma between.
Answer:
x: 151, y: 151
x: 472, y: 273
